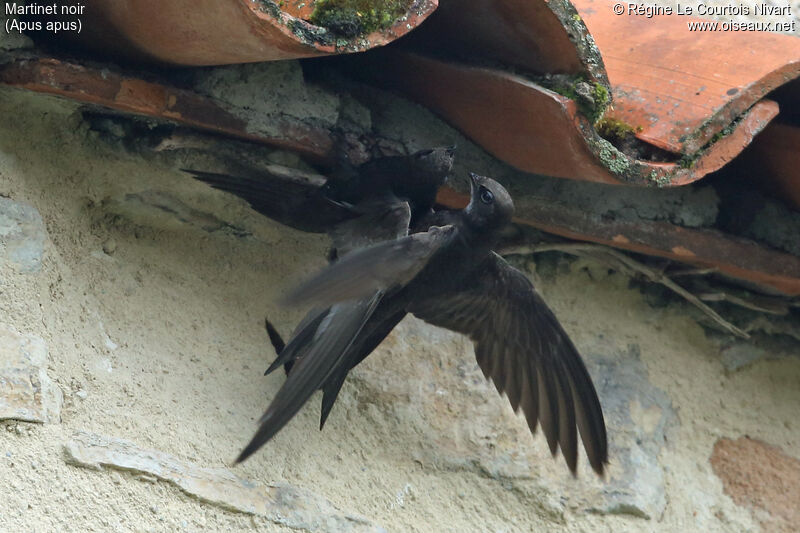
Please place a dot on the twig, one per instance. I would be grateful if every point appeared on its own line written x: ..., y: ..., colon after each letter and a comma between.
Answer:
x: 693, y: 272
x: 762, y: 304
x: 631, y: 265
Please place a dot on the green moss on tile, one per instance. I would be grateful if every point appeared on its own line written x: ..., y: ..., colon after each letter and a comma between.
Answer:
x: 601, y: 97
x: 592, y: 99
x: 614, y: 129
x: 355, y: 17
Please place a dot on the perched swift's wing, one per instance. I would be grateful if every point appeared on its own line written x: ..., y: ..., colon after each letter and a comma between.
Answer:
x: 297, y: 200
x: 521, y: 346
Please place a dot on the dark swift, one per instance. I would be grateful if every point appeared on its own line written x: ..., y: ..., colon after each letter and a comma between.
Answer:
x: 377, y: 201
x: 449, y: 277
x: 317, y: 206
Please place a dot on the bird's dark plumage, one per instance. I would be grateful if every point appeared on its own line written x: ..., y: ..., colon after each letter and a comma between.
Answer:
x: 279, y: 345
x: 295, y: 199
x: 312, y: 203
x: 449, y: 277
x: 357, y: 207
x: 312, y: 368
x: 275, y: 337
x: 522, y: 348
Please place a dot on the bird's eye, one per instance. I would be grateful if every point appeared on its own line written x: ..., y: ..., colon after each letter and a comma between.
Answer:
x: 486, y: 196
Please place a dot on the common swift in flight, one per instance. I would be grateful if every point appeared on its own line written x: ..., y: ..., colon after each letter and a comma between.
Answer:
x: 447, y: 276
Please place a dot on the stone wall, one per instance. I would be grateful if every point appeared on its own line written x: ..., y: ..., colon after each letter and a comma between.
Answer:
x: 131, y: 322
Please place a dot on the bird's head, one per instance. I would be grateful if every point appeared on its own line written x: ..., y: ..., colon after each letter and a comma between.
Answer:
x: 434, y: 162
x: 490, y: 205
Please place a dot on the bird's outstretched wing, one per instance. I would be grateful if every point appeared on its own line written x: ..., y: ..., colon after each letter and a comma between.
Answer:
x: 521, y: 346
x: 382, y: 266
x: 288, y: 196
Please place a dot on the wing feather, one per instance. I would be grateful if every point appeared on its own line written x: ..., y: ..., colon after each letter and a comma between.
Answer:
x: 379, y: 267
x: 289, y: 196
x: 380, y: 219
x: 522, y: 348
x: 548, y: 406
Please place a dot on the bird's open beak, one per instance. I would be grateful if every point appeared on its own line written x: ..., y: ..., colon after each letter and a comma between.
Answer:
x: 474, y: 180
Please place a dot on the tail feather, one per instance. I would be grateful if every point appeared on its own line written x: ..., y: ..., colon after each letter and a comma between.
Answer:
x: 329, y: 394
x: 274, y: 337
x: 299, y: 343
x: 279, y: 345
x: 330, y: 344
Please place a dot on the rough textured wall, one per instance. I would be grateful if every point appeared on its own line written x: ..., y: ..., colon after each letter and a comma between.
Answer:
x: 131, y: 326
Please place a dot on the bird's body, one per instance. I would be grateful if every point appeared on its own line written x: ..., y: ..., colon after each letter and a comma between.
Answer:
x: 317, y: 205
x: 448, y: 276
x: 380, y: 200
x: 415, y: 178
